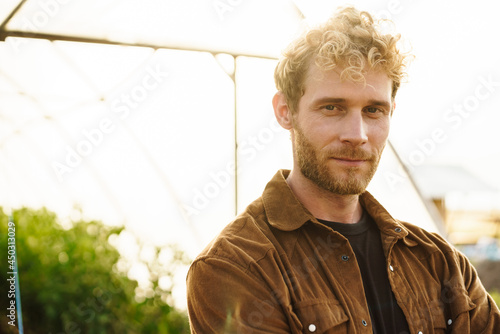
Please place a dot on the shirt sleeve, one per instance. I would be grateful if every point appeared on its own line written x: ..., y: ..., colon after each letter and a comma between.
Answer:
x: 226, y: 298
x: 485, y: 316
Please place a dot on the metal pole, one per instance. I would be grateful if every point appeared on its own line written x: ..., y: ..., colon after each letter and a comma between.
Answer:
x: 235, y: 139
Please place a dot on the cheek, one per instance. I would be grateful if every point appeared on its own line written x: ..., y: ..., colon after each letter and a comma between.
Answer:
x: 318, y: 133
x: 325, y: 131
x: 380, y: 132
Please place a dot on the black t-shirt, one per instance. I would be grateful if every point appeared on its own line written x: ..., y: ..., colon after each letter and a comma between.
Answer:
x: 365, y: 240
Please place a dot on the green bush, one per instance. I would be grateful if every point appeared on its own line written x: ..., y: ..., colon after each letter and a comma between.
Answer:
x: 70, y: 283
x: 495, y: 294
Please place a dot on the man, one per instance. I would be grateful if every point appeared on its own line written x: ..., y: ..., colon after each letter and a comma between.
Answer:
x: 317, y: 253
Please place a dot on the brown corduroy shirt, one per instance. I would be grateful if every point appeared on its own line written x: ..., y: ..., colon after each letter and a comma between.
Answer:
x: 276, y: 269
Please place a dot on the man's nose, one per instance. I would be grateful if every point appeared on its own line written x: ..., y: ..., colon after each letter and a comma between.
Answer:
x: 353, y: 131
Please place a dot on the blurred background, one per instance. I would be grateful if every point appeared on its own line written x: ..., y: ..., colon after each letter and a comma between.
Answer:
x: 131, y: 132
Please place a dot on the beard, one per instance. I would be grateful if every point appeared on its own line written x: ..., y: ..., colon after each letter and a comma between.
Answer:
x: 347, y: 180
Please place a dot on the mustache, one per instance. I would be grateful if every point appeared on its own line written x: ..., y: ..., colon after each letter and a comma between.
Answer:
x: 351, y: 153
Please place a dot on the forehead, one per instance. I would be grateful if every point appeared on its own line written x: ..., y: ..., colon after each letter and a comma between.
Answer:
x: 376, y: 85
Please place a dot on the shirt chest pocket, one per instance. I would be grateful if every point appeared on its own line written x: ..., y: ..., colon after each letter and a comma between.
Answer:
x: 455, y: 316
x: 458, y: 306
x: 322, y: 316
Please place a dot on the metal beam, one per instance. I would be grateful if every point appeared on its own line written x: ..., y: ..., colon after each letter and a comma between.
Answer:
x: 54, y: 37
x: 10, y: 16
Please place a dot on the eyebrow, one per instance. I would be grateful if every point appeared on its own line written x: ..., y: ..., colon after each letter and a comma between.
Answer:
x: 381, y: 103
x: 330, y: 100
x: 373, y: 102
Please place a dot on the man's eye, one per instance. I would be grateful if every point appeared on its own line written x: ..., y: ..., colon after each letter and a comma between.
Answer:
x: 330, y: 107
x: 373, y: 110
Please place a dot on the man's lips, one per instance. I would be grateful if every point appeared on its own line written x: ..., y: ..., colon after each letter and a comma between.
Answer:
x: 351, y: 162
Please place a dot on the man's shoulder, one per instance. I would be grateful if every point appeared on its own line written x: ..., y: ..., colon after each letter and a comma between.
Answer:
x: 244, y: 240
x: 431, y: 241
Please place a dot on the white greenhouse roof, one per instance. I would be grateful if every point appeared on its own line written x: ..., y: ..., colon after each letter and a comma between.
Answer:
x: 436, y: 181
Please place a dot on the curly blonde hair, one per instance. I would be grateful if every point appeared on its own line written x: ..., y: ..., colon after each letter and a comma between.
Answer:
x: 352, y: 40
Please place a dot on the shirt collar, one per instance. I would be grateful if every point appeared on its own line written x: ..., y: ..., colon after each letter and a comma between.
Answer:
x: 385, y: 222
x: 285, y: 212
x: 283, y: 209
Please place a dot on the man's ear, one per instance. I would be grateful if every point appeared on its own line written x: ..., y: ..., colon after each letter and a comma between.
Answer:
x: 282, y: 112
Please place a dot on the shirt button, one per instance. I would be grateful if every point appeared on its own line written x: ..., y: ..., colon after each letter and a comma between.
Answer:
x: 391, y: 268
x: 364, y: 322
x: 398, y: 229
x: 450, y: 322
x: 312, y: 328
x: 345, y: 258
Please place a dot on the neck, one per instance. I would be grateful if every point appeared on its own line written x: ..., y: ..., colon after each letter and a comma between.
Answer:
x: 324, y: 204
